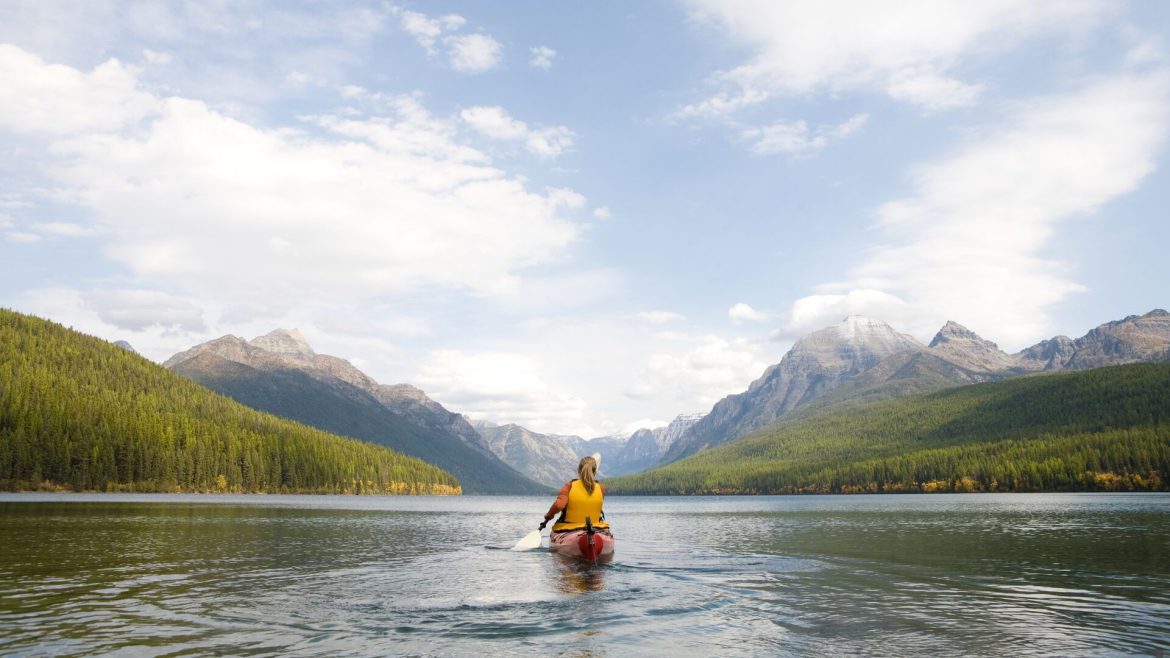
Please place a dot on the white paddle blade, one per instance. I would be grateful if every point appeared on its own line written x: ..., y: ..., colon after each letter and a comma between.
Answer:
x: 529, y: 542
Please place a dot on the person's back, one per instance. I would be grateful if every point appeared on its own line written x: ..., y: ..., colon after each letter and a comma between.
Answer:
x: 579, y: 501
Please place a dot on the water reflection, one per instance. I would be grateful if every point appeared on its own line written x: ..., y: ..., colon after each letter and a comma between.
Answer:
x: 578, y: 576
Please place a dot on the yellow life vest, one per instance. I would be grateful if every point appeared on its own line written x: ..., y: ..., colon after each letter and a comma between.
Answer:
x: 581, y: 504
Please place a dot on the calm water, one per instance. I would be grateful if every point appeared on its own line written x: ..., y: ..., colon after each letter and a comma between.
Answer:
x: 991, y: 575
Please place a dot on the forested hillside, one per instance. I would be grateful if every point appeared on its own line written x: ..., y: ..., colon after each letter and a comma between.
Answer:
x: 79, y: 413
x: 1105, y: 429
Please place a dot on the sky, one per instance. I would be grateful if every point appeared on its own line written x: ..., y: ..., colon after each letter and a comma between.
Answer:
x: 581, y: 217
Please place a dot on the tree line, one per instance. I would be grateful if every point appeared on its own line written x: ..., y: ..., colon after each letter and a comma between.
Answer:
x: 78, y: 413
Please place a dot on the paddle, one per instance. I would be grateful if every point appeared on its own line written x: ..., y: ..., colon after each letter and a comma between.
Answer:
x: 529, y: 542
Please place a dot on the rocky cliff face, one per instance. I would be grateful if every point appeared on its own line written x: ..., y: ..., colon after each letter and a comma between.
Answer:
x: 816, y: 364
x: 964, y: 348
x: 287, y: 343
x: 542, y: 457
x: 610, y: 448
x: 281, y: 374
x: 641, y: 451
x: 1135, y: 339
x: 666, y: 436
x: 411, y: 401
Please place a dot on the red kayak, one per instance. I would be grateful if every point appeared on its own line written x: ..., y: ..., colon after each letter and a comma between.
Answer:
x: 588, y: 543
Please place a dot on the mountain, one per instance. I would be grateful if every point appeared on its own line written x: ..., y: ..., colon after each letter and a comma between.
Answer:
x: 280, y: 373
x: 552, y: 459
x: 542, y: 457
x: 816, y: 364
x: 646, y: 447
x: 1135, y: 339
x: 125, y: 345
x: 1105, y: 429
x: 80, y: 413
x: 964, y: 348
x: 863, y: 360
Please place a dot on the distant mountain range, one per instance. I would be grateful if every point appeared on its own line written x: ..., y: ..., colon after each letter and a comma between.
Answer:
x: 552, y: 458
x: 281, y: 374
x: 857, y: 361
x: 865, y: 359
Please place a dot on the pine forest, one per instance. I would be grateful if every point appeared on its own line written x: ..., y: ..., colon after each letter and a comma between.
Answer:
x: 78, y: 413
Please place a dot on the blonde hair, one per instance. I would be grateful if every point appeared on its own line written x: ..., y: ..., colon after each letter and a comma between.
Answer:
x: 587, y: 473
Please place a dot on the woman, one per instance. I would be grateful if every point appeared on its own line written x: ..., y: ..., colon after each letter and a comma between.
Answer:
x: 581, y: 529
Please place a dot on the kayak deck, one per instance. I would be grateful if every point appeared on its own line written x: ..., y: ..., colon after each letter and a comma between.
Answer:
x: 594, y: 545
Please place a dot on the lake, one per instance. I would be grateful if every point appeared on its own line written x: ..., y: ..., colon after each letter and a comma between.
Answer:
x: 980, y: 574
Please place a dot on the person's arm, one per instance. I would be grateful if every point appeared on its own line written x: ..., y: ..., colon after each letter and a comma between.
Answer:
x: 559, y: 504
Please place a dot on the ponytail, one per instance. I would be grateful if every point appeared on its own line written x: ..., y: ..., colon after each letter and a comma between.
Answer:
x: 587, y: 473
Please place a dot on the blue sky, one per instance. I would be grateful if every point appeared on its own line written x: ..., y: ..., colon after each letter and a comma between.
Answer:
x: 581, y: 217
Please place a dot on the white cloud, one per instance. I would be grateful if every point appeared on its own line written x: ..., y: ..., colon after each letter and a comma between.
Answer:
x: 796, y: 137
x: 969, y: 243
x: 542, y: 57
x: 931, y: 91
x: 63, y: 229
x: 473, y: 53
x: 22, y: 237
x: 744, y: 313
x: 722, y: 105
x: 156, y: 57
x: 367, y: 206
x: 59, y: 100
x: 642, y: 424
x: 156, y: 324
x: 815, y: 312
x: 503, y: 387
x: 14, y: 200
x: 494, y: 122
x: 1144, y: 48
x: 550, y: 142
x: 220, y: 52
x: 906, y: 49
x: 466, y: 53
x: 427, y: 30
x: 660, y: 317
x: 137, y: 310
x: 710, y: 369
x: 601, y: 213
x: 552, y: 293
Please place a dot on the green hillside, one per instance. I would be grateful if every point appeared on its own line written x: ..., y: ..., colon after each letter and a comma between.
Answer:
x: 1099, y: 430
x: 79, y: 413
